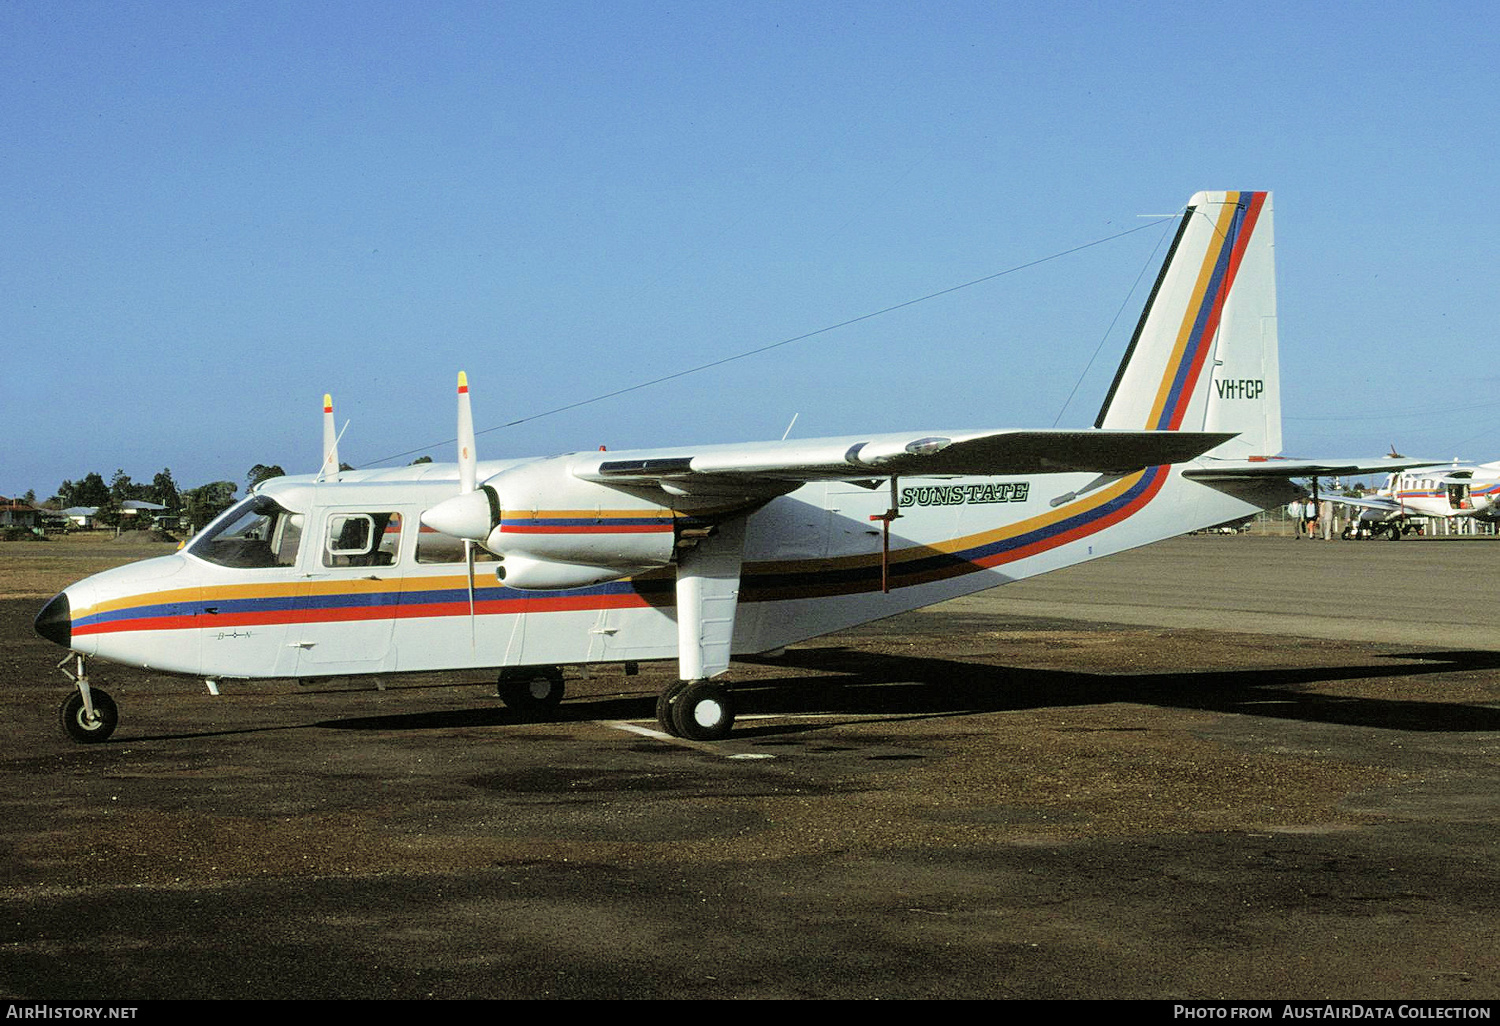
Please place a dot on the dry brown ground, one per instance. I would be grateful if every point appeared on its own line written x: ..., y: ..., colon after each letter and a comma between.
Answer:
x: 957, y: 804
x: 40, y: 569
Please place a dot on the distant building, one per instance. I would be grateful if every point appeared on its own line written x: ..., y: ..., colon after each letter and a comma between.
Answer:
x: 151, y: 514
x: 82, y: 516
x: 15, y: 513
x: 135, y: 507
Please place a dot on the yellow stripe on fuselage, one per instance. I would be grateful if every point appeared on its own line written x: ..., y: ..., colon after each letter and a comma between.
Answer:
x: 1020, y: 527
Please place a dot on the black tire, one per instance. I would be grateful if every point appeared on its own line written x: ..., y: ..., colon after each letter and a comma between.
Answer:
x: 531, y: 689
x: 703, y: 711
x: 1395, y: 534
x: 1346, y: 532
x: 79, y: 727
x: 664, y: 703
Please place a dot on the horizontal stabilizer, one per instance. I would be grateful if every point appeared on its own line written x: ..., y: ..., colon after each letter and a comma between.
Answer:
x: 1274, y: 467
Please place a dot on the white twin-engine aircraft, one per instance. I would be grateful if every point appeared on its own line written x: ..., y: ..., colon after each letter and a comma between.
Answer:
x: 1456, y: 491
x: 705, y: 552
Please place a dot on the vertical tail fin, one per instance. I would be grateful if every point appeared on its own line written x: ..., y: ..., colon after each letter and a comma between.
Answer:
x: 1204, y: 355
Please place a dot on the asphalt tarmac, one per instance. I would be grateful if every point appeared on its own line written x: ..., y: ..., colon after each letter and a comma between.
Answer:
x: 1220, y: 767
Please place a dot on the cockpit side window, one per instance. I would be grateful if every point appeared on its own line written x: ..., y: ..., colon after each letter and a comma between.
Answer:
x: 257, y: 534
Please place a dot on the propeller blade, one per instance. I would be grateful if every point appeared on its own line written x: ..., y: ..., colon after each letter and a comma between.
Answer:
x: 330, y: 471
x: 467, y: 523
x: 467, y: 460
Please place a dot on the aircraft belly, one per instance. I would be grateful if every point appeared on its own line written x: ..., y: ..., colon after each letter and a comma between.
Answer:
x: 439, y: 626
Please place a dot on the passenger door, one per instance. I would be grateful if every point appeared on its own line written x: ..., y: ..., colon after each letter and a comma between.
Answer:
x: 345, y: 608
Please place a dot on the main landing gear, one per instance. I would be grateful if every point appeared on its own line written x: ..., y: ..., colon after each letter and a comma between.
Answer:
x: 1393, y: 532
x: 88, y: 715
x: 699, y: 710
x: 533, y: 690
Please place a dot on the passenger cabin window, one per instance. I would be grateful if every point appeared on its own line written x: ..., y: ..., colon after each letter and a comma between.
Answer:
x: 258, y: 533
x: 362, y: 539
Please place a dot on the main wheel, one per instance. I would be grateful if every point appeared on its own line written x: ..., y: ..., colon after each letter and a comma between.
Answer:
x: 78, y: 725
x: 664, y: 703
x: 703, y: 711
x: 531, y: 688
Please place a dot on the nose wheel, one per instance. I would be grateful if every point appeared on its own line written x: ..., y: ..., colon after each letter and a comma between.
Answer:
x: 88, y: 715
x: 85, y: 726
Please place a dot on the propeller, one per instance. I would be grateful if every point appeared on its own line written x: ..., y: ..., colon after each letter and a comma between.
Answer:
x: 469, y: 515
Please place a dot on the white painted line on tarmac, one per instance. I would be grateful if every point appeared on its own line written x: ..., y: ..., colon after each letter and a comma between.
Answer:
x: 636, y: 729
x: 711, y: 747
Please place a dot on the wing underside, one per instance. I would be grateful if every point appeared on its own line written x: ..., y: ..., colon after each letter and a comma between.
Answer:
x: 786, y: 464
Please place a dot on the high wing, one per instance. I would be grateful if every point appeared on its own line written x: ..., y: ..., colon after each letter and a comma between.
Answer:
x: 777, y: 467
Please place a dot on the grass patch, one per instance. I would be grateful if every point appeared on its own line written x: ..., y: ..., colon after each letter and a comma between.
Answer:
x: 28, y: 570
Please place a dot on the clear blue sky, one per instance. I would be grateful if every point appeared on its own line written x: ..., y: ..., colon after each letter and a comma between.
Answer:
x: 214, y: 213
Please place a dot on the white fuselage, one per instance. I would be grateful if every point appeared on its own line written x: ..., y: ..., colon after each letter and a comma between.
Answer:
x: 812, y: 564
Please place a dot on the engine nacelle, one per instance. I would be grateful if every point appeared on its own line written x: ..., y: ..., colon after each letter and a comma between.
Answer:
x: 552, y: 530
x: 527, y: 574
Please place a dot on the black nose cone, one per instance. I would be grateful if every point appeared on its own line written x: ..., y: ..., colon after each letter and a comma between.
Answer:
x: 55, y: 621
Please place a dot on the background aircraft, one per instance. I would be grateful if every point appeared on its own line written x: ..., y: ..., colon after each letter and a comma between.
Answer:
x: 1453, y: 491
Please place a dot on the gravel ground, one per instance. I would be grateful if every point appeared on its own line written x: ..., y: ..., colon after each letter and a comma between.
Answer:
x: 962, y: 802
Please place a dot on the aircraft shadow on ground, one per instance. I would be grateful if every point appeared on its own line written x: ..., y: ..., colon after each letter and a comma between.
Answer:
x: 864, y: 684
x: 913, y: 685
x: 854, y: 683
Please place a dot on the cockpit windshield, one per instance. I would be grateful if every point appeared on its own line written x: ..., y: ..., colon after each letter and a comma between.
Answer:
x: 258, y: 532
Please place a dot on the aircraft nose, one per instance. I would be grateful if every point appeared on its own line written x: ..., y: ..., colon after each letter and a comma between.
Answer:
x: 55, y: 621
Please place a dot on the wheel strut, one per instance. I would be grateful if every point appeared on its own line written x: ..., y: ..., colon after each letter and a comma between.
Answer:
x: 90, y: 716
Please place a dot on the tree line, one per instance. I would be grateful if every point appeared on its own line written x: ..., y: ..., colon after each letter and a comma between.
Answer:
x: 194, y: 506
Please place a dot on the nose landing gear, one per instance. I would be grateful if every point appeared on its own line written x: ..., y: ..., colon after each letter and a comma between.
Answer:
x: 89, y: 715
